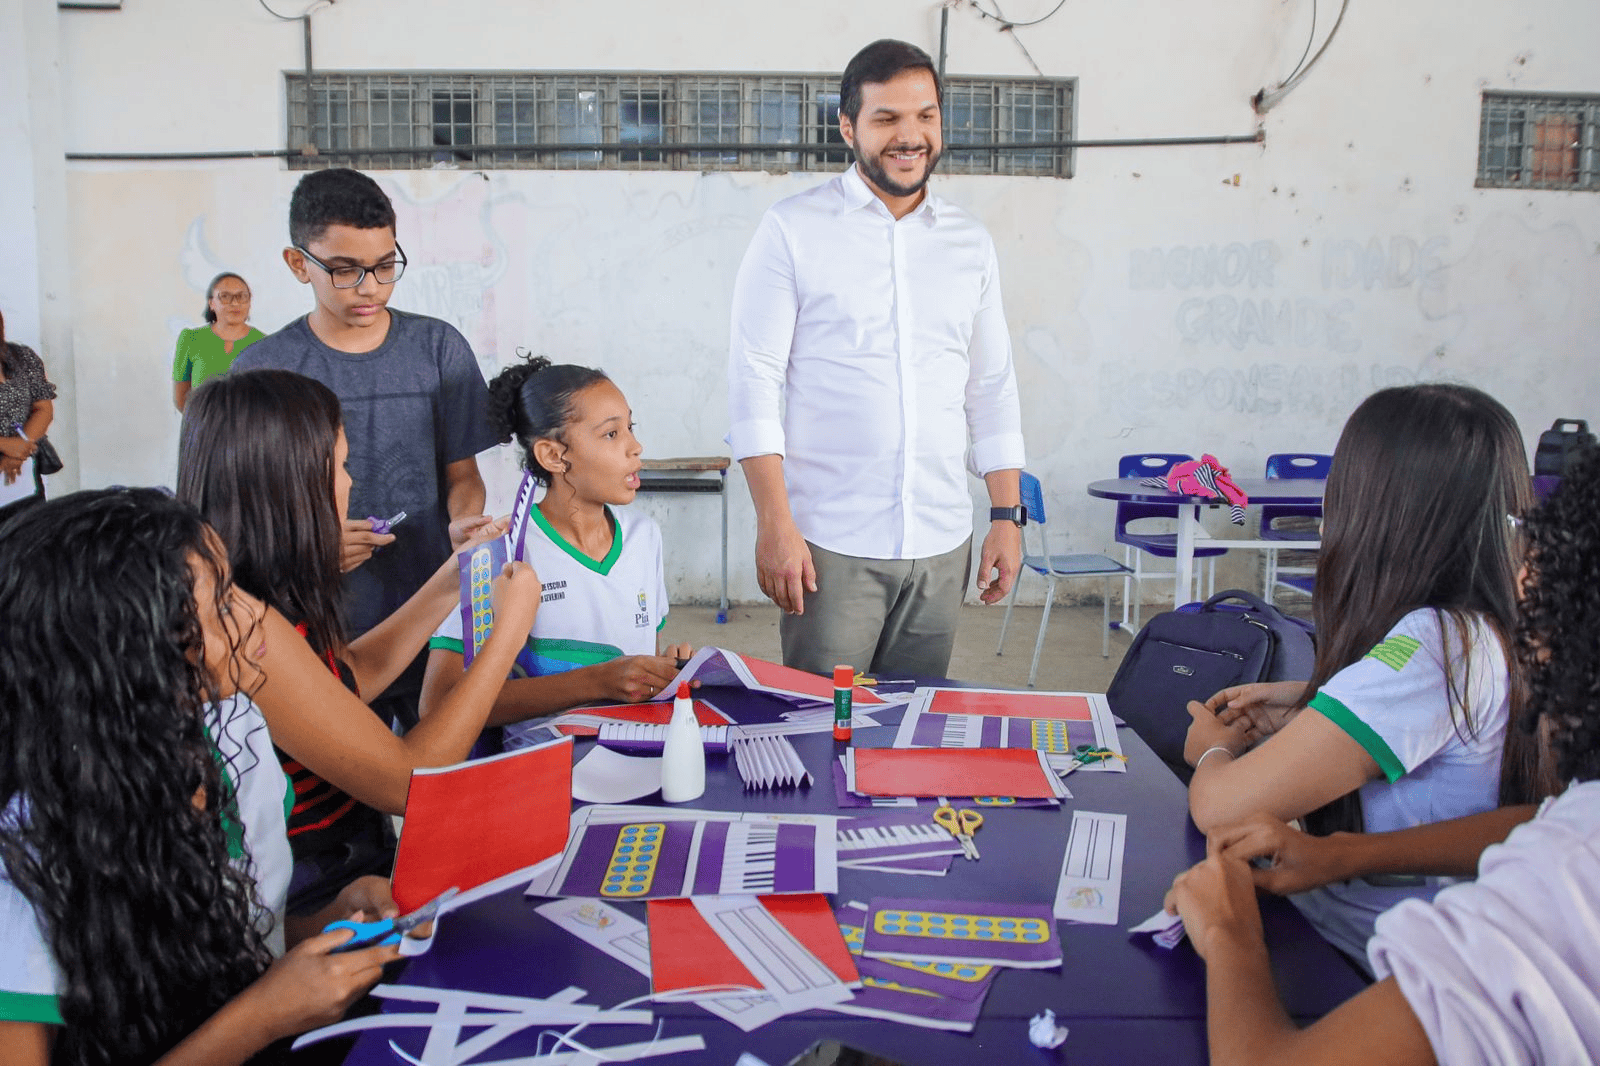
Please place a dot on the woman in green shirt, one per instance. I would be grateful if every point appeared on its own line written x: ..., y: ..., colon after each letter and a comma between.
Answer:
x: 210, y: 349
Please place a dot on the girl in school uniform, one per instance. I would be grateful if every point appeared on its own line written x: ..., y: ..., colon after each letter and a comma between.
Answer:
x: 1404, y: 721
x: 262, y: 456
x: 142, y: 854
x: 605, y: 599
x: 1501, y: 971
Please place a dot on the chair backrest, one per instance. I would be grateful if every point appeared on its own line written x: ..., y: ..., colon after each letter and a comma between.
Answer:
x: 1033, y: 498
x: 1294, y: 465
x: 1146, y: 464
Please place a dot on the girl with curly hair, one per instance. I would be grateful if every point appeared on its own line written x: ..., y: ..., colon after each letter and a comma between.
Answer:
x: 1503, y: 970
x: 142, y: 863
x: 262, y: 456
x: 1403, y: 721
x: 598, y: 635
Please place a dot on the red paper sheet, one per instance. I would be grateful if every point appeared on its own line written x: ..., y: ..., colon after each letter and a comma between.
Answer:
x: 685, y: 952
x: 473, y: 822
x: 812, y: 922
x: 951, y: 772
x: 1011, y: 705
x: 775, y: 675
x: 643, y: 713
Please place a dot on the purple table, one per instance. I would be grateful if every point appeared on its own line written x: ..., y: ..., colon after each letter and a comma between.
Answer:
x: 1124, y: 999
x: 1285, y: 491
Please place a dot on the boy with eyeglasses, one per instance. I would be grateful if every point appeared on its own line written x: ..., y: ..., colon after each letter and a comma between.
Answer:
x: 415, y: 403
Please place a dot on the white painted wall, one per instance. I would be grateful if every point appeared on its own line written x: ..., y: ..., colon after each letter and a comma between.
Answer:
x: 1353, y: 250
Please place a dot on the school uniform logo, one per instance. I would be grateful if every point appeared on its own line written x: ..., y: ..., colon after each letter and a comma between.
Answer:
x: 641, y: 620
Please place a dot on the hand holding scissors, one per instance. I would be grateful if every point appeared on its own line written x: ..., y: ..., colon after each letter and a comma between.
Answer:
x: 389, y: 930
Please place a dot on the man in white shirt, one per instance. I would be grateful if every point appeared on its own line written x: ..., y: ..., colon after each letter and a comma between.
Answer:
x: 868, y: 347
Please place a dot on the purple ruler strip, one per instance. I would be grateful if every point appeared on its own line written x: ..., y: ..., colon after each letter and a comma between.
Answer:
x: 708, y: 864
x: 477, y: 569
x: 518, y: 532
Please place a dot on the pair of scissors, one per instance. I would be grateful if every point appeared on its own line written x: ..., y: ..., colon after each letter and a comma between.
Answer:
x: 1084, y: 754
x: 389, y: 930
x: 961, y: 825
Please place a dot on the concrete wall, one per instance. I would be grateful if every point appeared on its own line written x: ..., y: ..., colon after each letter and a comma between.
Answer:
x: 1238, y: 300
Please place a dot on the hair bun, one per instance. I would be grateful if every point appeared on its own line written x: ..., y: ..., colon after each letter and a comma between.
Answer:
x: 505, y: 393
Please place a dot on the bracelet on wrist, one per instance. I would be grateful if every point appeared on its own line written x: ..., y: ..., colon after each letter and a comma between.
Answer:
x: 1208, y: 751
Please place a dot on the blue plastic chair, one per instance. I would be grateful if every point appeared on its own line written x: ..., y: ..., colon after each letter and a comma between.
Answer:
x: 1291, y: 465
x: 1137, y: 544
x: 1052, y: 568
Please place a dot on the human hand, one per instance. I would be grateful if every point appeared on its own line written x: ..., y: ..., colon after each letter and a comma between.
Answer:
x: 1267, y: 706
x: 1217, y: 902
x: 372, y: 895
x: 359, y: 542
x: 999, y: 561
x: 310, y: 986
x: 676, y: 652
x: 1299, y: 860
x: 1207, y: 731
x: 10, y: 468
x: 634, y: 678
x: 17, y: 448
x: 784, y: 569
x: 474, y: 530
x: 514, y: 596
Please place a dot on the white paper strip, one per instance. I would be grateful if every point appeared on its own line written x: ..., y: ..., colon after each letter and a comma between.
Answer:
x: 1090, y: 887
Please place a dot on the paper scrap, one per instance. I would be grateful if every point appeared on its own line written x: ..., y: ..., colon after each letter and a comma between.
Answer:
x: 1090, y: 887
x: 1165, y: 929
x: 1043, y: 1031
x: 606, y: 776
x: 604, y: 927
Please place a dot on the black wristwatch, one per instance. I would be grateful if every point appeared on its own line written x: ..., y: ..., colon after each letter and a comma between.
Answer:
x: 1017, y: 514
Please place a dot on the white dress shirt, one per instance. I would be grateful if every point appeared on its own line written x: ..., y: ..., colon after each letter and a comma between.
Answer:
x: 866, y: 351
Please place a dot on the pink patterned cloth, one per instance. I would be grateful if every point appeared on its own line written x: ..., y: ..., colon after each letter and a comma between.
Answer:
x: 1204, y: 477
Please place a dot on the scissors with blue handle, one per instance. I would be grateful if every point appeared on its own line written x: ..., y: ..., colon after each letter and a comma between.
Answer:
x: 389, y: 930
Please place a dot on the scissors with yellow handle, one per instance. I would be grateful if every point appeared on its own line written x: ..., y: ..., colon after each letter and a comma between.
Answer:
x: 961, y: 825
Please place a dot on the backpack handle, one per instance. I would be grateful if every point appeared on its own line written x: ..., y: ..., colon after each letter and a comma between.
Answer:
x: 1249, y: 598
x: 1561, y: 425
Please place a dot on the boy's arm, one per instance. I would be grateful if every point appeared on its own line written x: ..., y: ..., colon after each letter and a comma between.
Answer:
x: 464, y: 491
x: 1301, y: 861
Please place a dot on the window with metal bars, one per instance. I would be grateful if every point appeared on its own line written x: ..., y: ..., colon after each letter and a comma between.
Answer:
x: 605, y: 121
x: 1539, y: 141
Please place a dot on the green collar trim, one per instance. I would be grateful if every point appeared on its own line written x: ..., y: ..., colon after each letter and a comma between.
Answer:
x: 29, y: 1007
x: 603, y: 567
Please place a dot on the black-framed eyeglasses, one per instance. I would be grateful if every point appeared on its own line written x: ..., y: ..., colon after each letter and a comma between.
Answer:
x: 348, y: 277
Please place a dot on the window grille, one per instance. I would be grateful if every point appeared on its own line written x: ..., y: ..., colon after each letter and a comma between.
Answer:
x: 1539, y: 141
x: 777, y: 122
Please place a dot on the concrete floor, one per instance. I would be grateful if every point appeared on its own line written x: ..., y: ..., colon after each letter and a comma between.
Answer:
x: 1070, y: 662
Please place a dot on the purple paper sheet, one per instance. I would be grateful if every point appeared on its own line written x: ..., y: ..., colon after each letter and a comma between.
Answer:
x: 950, y: 998
x: 874, y: 1000
x: 1009, y: 934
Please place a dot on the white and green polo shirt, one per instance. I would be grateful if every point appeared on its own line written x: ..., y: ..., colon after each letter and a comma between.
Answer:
x: 1436, y: 765
x: 255, y: 816
x: 592, y: 611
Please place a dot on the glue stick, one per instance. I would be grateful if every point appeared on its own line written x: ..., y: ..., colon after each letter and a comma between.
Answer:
x: 683, y: 756
x: 843, y: 683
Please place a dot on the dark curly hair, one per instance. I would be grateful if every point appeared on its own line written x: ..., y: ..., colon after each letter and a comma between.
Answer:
x: 532, y: 400
x: 103, y: 704
x: 1556, y: 638
x: 255, y: 456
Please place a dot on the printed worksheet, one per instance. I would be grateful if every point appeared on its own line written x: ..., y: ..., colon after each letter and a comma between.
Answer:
x: 1090, y: 889
x: 1065, y: 726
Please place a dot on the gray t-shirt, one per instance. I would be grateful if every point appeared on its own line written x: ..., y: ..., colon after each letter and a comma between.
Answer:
x: 412, y: 405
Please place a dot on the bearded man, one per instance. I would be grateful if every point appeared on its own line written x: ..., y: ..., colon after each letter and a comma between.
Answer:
x: 869, y: 369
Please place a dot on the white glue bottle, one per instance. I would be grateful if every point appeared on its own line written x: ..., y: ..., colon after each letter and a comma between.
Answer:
x: 683, y: 758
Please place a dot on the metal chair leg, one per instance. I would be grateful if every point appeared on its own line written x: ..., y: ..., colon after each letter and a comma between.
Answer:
x: 1011, y: 602
x: 1038, y: 644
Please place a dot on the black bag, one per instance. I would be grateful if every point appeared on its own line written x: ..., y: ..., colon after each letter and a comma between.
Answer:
x: 46, y: 460
x: 1558, y: 445
x: 1195, y: 652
